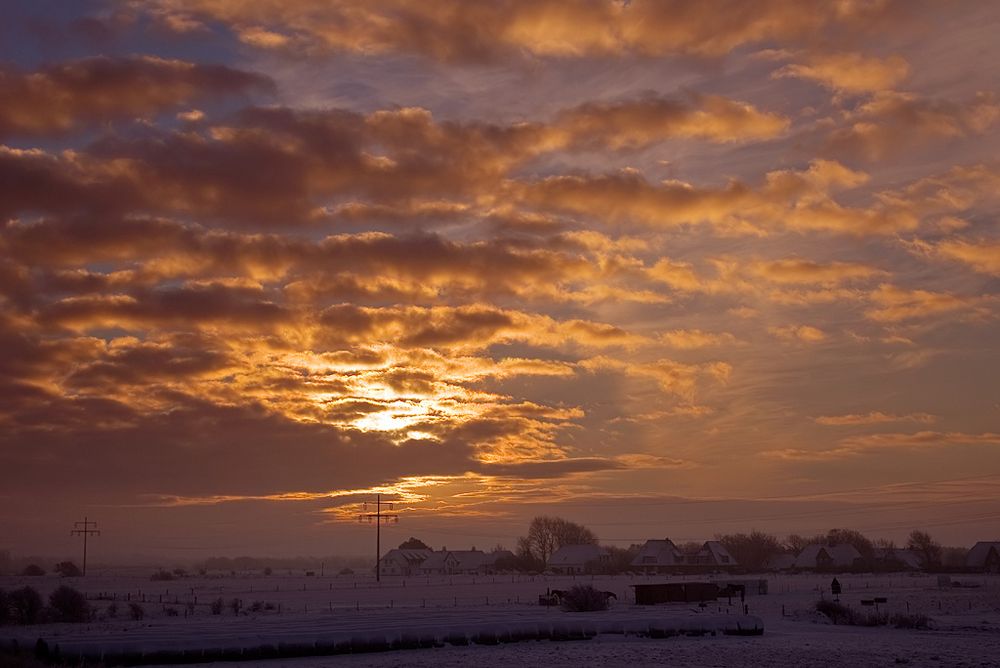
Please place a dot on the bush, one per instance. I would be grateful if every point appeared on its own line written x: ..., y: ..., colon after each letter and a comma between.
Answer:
x: 235, y: 605
x: 136, y: 612
x: 68, y: 569
x: 69, y: 605
x: 217, y: 606
x: 838, y: 613
x: 25, y: 605
x: 268, y: 571
x: 162, y: 575
x: 112, y: 611
x: 33, y: 570
x: 584, y: 598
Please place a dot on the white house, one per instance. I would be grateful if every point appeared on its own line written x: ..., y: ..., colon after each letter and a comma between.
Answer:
x: 657, y: 556
x: 402, y: 562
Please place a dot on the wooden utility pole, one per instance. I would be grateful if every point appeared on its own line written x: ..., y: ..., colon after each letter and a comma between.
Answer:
x: 85, y: 528
x: 378, y: 517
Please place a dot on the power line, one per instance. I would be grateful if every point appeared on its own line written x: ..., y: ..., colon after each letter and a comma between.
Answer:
x: 378, y: 517
x: 85, y: 528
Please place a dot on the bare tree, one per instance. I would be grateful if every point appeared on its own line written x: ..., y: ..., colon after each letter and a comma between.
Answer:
x: 753, y: 550
x: 926, y: 548
x: 547, y: 534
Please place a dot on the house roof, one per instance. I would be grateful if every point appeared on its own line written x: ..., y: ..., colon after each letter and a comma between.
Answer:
x: 458, y: 559
x: 980, y: 551
x: 663, y: 553
x: 717, y: 551
x: 842, y: 554
x: 412, y: 557
x: 576, y: 555
x: 908, y: 557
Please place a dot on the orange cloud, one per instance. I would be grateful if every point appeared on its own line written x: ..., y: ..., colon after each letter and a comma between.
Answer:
x: 798, y: 333
x: 60, y: 97
x: 545, y: 28
x: 847, y: 72
x: 874, y: 417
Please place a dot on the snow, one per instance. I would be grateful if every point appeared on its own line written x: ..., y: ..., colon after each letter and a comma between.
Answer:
x: 965, y: 620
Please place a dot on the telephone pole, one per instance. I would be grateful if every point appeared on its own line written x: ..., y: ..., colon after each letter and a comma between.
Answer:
x: 378, y: 517
x: 85, y: 528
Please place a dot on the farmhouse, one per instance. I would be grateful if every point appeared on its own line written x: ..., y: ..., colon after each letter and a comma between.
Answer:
x: 894, y: 558
x: 658, y: 556
x: 821, y: 557
x: 462, y: 562
x: 712, y: 553
x: 984, y: 556
x: 402, y: 562
x: 571, y: 559
x: 662, y: 556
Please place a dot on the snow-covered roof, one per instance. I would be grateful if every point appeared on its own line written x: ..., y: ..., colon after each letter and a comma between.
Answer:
x: 842, y: 554
x: 658, y: 553
x: 908, y: 557
x: 976, y: 558
x: 576, y: 555
x: 718, y: 553
x: 411, y: 557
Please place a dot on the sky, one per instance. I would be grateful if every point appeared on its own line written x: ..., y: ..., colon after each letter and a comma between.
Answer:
x: 666, y: 268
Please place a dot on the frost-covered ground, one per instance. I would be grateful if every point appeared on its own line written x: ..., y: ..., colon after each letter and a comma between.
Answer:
x: 965, y: 620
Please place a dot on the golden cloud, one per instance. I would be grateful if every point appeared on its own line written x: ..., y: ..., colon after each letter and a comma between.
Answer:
x: 847, y: 72
x: 474, y: 32
x: 874, y: 417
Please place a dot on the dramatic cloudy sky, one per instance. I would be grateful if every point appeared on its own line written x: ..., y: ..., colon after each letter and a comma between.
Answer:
x: 666, y: 268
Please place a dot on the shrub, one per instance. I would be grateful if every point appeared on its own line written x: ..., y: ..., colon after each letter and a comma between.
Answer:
x: 69, y: 605
x: 68, y: 569
x: 136, y: 612
x: 179, y: 573
x: 112, y: 611
x: 25, y: 605
x: 838, y: 613
x: 235, y: 605
x: 217, y: 606
x: 33, y: 570
x: 268, y: 571
x: 162, y: 575
x: 584, y: 598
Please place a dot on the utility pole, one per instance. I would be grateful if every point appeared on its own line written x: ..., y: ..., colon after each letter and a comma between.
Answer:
x: 378, y: 517
x: 85, y: 528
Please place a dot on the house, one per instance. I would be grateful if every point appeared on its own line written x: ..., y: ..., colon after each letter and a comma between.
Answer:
x: 658, y: 556
x: 402, y: 561
x: 462, y: 562
x: 662, y: 556
x: 713, y: 554
x: 894, y: 558
x: 984, y: 556
x: 782, y: 561
x: 571, y: 559
x: 822, y: 557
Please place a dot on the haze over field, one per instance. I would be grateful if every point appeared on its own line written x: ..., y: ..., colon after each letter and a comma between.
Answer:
x: 665, y: 268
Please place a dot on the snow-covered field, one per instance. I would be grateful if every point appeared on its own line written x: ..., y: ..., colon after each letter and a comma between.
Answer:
x: 294, y: 609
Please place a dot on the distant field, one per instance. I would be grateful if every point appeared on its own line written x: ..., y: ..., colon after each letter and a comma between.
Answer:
x: 292, y: 608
